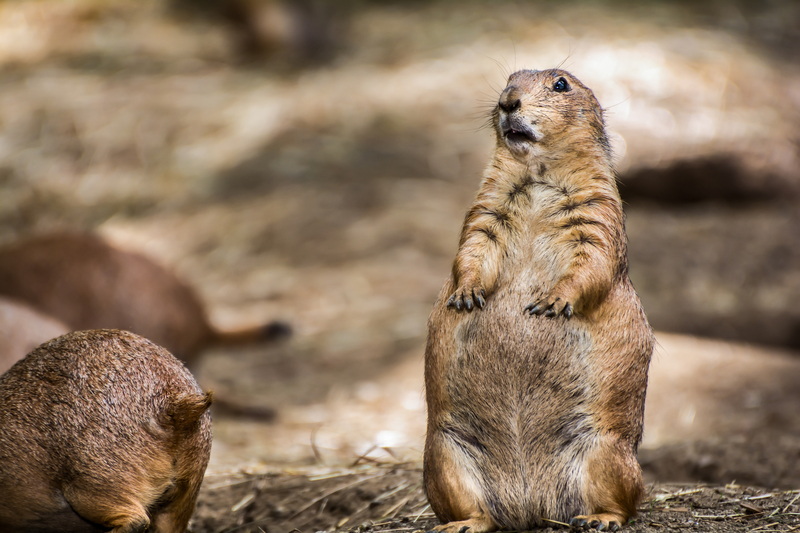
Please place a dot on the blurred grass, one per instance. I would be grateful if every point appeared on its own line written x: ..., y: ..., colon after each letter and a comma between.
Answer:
x: 328, y: 189
x: 122, y: 115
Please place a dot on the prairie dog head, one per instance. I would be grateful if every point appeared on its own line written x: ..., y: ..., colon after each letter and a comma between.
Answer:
x: 544, y: 114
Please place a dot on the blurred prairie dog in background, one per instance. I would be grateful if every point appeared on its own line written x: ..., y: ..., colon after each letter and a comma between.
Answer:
x: 101, y: 430
x: 23, y: 328
x: 299, y: 31
x: 538, y: 347
x: 86, y: 283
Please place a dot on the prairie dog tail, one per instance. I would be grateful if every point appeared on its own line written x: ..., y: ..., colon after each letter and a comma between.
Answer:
x: 234, y: 408
x: 228, y: 404
x: 272, y: 331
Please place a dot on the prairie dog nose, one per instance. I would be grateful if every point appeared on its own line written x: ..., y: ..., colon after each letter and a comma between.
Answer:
x: 509, y: 99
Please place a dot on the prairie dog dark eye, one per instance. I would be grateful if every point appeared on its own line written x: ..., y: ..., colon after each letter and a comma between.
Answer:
x: 561, y: 85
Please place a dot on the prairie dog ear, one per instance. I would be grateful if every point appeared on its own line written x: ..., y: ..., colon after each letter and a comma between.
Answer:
x: 184, y: 411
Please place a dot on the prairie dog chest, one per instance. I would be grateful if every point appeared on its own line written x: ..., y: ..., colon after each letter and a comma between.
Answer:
x: 545, y: 217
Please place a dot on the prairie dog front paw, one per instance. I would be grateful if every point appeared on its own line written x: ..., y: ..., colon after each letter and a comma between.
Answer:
x: 468, y: 296
x: 551, y: 306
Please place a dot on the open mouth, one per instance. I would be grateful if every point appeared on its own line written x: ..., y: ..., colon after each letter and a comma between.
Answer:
x: 517, y: 136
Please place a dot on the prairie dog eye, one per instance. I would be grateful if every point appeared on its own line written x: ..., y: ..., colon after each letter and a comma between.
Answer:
x: 561, y: 85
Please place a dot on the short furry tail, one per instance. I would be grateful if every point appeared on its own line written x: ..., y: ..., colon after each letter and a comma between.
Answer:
x: 272, y: 331
x: 185, y: 410
x: 238, y: 409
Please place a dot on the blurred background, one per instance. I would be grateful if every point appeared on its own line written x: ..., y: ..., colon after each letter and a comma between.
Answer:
x: 311, y: 162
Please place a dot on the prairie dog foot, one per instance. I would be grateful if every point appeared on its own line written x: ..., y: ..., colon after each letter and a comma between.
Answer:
x: 468, y: 297
x: 600, y: 522
x: 134, y: 526
x: 482, y: 524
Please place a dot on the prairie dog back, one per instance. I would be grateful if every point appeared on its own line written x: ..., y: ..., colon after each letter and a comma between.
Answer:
x: 101, y: 430
x: 86, y: 283
x: 538, y: 348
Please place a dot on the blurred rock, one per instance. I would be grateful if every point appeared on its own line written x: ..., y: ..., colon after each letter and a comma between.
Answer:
x: 763, y: 460
x: 719, y: 271
x: 718, y: 179
x: 720, y: 412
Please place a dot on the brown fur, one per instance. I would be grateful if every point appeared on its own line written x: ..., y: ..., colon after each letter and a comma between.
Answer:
x: 22, y: 329
x: 538, y: 348
x: 88, y: 284
x: 101, y: 430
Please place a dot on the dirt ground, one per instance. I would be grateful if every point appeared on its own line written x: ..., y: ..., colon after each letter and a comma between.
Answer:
x: 327, y: 191
x: 389, y: 499
x: 717, y: 413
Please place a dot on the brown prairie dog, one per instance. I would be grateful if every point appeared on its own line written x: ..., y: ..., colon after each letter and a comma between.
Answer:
x: 538, y: 348
x: 22, y: 329
x: 101, y: 430
x: 86, y: 283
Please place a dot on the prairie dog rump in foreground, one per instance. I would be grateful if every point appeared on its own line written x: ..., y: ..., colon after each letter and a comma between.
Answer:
x: 101, y: 430
x: 538, y: 348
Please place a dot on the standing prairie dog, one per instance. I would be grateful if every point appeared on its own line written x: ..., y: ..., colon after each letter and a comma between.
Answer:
x: 538, y: 347
x: 101, y: 430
